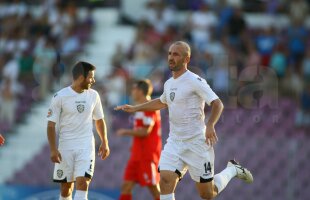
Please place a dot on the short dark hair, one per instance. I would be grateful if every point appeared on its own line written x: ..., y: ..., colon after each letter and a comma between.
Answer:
x: 145, y: 85
x: 82, y: 68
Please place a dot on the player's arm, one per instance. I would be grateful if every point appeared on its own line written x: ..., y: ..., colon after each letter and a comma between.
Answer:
x: 53, y: 117
x: 216, y: 111
x: 139, y: 132
x: 51, y: 136
x: 104, y: 150
x: 203, y: 89
x: 152, y: 105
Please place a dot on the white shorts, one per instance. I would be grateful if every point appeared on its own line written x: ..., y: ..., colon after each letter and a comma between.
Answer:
x: 75, y: 163
x: 194, y: 155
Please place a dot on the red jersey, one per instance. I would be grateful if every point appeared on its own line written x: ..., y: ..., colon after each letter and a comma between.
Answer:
x: 147, y: 148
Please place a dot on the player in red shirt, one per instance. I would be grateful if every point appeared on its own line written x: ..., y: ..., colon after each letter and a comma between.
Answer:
x: 1, y: 140
x: 145, y: 152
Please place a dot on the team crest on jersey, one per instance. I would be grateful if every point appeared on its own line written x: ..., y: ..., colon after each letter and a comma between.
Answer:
x: 60, y: 173
x: 80, y: 108
x: 49, y: 113
x: 172, y: 95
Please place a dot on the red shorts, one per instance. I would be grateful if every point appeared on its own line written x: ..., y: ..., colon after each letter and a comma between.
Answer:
x: 143, y: 172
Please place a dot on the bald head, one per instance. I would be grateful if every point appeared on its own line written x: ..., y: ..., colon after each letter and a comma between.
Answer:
x: 186, y: 49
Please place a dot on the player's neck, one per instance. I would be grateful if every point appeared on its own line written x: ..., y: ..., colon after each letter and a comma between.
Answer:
x: 77, y: 88
x: 177, y: 74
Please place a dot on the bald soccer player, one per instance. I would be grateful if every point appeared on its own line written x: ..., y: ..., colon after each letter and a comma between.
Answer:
x: 190, y: 143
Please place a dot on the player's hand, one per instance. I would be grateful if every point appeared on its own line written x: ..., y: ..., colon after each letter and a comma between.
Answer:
x: 126, y: 108
x: 2, y: 140
x: 104, y: 151
x: 121, y: 132
x: 55, y: 156
x: 211, y: 137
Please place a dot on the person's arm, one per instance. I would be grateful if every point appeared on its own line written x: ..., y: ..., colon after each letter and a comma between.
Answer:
x: 51, y: 136
x: 104, y: 150
x: 152, y: 105
x: 216, y: 111
x: 53, y: 116
x: 139, y: 132
x: 203, y: 89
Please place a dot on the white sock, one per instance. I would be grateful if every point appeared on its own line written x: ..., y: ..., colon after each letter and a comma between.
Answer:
x: 167, y: 196
x: 222, y: 179
x: 80, y: 195
x: 65, y: 198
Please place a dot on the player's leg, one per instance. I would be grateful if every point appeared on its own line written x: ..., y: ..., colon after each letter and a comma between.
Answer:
x: 126, y: 190
x: 66, y: 190
x: 130, y: 179
x: 211, y: 189
x: 155, y: 191
x: 63, y: 174
x: 82, y: 184
x: 207, y: 190
x: 200, y: 161
x: 171, y: 168
x: 83, y: 172
x: 149, y: 176
x: 168, y: 182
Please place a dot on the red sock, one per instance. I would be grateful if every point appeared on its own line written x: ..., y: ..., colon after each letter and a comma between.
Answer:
x: 125, y: 197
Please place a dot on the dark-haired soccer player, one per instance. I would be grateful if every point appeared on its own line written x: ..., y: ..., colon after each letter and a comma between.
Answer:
x: 190, y: 143
x: 73, y: 110
x: 146, y: 147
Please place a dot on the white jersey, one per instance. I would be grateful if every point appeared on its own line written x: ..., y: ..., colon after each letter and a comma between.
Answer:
x: 74, y: 114
x: 186, y: 97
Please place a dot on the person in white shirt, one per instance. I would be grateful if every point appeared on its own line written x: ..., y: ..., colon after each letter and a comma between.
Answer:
x: 190, y: 142
x: 73, y: 110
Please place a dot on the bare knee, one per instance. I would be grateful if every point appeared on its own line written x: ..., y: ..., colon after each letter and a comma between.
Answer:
x: 207, y: 195
x: 206, y: 190
x: 168, y: 182
x: 66, y: 189
x: 82, y: 183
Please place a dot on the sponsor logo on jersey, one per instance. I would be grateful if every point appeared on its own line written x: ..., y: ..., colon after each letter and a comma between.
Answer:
x: 60, y: 173
x: 172, y: 95
x: 80, y: 108
x: 49, y: 113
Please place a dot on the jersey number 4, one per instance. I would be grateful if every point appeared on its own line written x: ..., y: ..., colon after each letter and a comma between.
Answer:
x: 207, y: 167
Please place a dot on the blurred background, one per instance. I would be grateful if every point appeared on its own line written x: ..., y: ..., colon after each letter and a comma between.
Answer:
x: 255, y: 55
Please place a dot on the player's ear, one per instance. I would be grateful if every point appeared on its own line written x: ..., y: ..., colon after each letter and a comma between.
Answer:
x: 187, y: 59
x: 81, y: 78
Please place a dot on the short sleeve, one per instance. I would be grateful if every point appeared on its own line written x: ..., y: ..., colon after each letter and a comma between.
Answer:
x: 163, y: 98
x: 203, y: 89
x: 98, y: 111
x: 54, y: 110
x: 148, y: 120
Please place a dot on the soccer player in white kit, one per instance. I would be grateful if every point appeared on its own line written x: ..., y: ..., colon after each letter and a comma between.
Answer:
x: 73, y: 110
x: 190, y: 143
